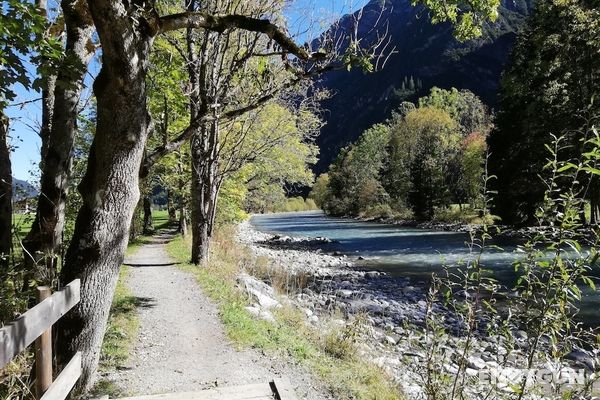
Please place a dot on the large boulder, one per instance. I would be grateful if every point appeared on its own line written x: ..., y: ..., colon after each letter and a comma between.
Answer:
x: 262, y: 293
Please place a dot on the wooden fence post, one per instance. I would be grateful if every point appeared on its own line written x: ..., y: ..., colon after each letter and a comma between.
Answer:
x: 43, y: 351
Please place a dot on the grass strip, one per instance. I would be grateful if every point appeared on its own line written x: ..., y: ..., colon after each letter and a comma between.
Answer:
x: 347, y: 377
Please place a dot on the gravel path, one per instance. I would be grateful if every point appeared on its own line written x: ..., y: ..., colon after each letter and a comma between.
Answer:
x: 182, y: 345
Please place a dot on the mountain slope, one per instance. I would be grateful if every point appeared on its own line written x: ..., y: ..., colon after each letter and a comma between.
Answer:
x: 427, y: 53
x: 23, y: 189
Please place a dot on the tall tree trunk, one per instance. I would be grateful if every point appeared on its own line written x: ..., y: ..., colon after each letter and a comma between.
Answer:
x: 110, y: 187
x: 137, y: 222
x: 5, y: 193
x: 198, y: 143
x: 170, y: 208
x: 182, y: 210
x: 204, y: 190
x: 148, y: 222
x: 183, y: 221
x: 45, y: 236
x: 48, y: 88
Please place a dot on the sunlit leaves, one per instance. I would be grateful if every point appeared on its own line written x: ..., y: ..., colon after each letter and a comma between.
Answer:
x: 23, y: 42
x: 466, y: 17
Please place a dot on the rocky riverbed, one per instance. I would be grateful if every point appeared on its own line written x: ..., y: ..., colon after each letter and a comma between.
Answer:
x: 392, y: 313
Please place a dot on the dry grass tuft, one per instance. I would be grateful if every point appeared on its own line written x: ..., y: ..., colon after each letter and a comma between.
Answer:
x: 332, y: 357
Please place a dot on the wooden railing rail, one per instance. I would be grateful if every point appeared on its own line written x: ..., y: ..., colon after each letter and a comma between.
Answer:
x: 36, y: 325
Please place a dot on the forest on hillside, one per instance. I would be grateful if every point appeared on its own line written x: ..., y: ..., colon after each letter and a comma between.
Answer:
x: 432, y: 158
x: 216, y: 108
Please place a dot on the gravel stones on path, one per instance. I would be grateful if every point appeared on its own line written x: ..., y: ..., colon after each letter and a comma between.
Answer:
x: 182, y: 345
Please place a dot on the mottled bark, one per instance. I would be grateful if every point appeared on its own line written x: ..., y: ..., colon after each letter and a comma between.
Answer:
x: 182, y: 209
x: 58, y: 137
x: 183, y: 221
x: 47, y: 112
x: 148, y: 222
x: 5, y: 193
x: 110, y: 187
x: 48, y: 87
x: 170, y: 208
x: 137, y: 222
x: 205, y: 190
x: 197, y: 71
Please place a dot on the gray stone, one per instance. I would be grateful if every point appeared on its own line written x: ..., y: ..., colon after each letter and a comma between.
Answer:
x: 344, y: 293
x: 582, y: 358
x: 391, y: 340
x: 475, y: 363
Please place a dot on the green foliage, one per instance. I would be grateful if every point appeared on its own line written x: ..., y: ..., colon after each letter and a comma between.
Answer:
x: 295, y: 204
x: 15, y: 379
x: 423, y: 159
x: 354, y: 177
x: 551, y: 87
x: 557, y: 262
x: 466, y: 17
x: 424, y: 143
x: 463, y: 106
x: 230, y: 209
x: 264, y: 152
x: 319, y: 190
x: 24, y: 40
x: 471, y: 168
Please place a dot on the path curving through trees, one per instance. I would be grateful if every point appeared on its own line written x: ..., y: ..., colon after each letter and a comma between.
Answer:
x: 181, y: 343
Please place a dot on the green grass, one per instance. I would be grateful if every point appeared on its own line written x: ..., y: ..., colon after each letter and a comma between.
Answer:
x: 160, y: 219
x: 122, y: 326
x: 121, y: 333
x: 467, y: 215
x: 347, y: 377
x: 21, y: 227
x: 22, y: 224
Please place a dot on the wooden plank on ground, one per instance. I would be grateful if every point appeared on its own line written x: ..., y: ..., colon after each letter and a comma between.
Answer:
x: 23, y: 331
x: 259, y: 391
x: 284, y: 389
x: 61, y: 387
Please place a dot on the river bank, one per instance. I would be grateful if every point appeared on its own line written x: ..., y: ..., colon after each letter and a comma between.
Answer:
x: 392, y: 313
x: 519, y: 233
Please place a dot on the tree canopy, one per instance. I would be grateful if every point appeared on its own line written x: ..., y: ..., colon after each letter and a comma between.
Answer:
x: 423, y: 159
x: 552, y: 87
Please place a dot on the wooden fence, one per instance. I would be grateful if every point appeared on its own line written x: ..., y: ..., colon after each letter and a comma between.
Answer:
x: 36, y: 325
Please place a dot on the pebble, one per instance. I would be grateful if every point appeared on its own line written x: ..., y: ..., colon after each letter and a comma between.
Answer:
x: 394, y: 311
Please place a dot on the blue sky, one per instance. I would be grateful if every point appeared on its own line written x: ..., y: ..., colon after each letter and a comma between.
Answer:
x: 306, y: 19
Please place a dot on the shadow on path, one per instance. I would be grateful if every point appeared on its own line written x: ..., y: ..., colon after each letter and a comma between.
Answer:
x: 144, y: 265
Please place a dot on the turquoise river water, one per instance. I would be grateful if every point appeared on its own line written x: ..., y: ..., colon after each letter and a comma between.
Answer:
x: 404, y: 251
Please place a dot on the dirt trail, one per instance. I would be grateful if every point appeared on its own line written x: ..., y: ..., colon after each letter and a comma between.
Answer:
x: 182, y: 345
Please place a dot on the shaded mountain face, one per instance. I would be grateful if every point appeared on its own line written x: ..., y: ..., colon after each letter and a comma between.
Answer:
x: 426, y: 55
x: 23, y: 190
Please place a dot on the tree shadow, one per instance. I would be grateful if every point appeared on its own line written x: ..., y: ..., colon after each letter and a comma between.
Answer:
x: 128, y: 304
x: 145, y: 265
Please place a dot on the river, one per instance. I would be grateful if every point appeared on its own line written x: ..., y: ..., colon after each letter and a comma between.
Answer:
x: 404, y: 251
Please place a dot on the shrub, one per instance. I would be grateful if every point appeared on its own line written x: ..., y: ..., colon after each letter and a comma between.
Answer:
x: 378, y: 211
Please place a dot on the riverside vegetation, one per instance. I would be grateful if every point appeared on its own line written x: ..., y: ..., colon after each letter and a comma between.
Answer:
x: 285, y: 332
x: 465, y: 336
x: 435, y: 342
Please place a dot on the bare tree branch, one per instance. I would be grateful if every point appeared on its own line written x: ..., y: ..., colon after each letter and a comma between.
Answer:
x: 220, y: 24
